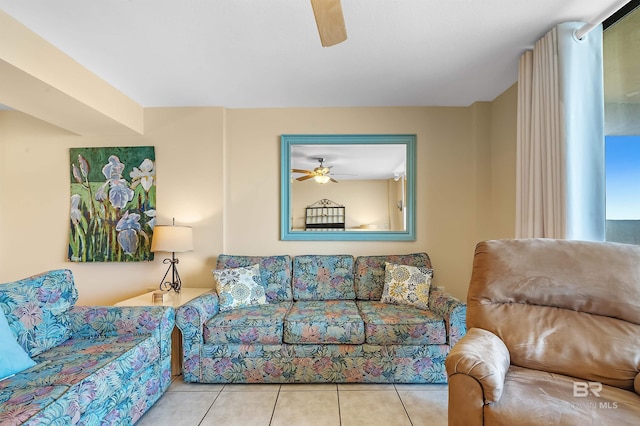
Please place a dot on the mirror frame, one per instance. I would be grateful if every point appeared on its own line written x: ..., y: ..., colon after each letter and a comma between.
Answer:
x: 287, y: 234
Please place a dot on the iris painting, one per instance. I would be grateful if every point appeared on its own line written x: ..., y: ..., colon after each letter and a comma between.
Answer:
x: 113, y: 204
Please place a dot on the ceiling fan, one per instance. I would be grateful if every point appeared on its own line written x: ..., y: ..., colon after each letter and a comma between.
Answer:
x: 330, y: 21
x: 320, y: 174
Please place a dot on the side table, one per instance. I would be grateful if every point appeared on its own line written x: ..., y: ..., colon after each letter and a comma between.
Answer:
x: 171, y: 299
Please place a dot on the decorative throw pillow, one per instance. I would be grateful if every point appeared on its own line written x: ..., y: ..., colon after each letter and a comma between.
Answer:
x: 407, y: 285
x: 239, y: 287
x: 13, y: 359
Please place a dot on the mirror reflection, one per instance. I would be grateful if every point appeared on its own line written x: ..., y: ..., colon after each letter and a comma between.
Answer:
x: 367, y: 180
x: 347, y: 187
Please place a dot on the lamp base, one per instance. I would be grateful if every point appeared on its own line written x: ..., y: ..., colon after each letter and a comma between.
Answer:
x: 158, y: 297
x: 175, y: 284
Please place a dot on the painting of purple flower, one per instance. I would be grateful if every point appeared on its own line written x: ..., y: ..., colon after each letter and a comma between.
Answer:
x: 113, y: 197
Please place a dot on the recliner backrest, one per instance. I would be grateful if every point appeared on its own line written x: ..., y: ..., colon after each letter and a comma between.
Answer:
x: 567, y: 307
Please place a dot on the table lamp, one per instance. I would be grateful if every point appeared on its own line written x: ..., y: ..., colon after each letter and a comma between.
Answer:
x: 173, y: 239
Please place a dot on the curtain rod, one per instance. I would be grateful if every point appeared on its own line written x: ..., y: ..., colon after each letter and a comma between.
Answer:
x: 584, y: 30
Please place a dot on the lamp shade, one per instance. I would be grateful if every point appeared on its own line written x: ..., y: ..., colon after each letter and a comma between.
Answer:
x: 172, y: 238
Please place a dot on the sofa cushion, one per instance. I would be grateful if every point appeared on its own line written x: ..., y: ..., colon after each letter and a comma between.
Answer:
x: 317, y: 277
x: 330, y: 321
x: 387, y: 324
x: 544, y: 398
x: 274, y: 270
x: 40, y: 404
x: 96, y: 371
x: 251, y: 325
x: 369, y: 272
x: 36, y: 309
x: 407, y: 285
x: 239, y: 287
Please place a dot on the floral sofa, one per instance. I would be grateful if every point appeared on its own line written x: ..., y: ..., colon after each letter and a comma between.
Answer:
x: 91, y: 364
x: 323, y: 322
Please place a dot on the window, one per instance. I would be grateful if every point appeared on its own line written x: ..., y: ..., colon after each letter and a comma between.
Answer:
x: 622, y: 124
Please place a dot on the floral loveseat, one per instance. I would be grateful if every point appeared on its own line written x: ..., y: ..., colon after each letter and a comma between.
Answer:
x: 323, y: 322
x: 92, y: 365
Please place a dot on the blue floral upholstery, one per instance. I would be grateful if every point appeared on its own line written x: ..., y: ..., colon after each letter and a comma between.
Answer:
x: 323, y: 277
x: 251, y: 325
x: 36, y: 309
x: 112, y: 369
x: 191, y: 319
x: 323, y: 340
x: 369, y: 272
x: 388, y: 324
x: 274, y: 270
x: 324, y: 321
x: 324, y: 363
x: 454, y: 313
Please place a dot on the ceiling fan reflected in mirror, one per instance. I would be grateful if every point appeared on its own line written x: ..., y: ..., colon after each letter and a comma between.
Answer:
x: 330, y: 21
x: 320, y: 174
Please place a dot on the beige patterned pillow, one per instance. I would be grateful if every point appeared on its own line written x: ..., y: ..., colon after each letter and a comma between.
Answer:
x: 407, y: 285
x: 239, y: 287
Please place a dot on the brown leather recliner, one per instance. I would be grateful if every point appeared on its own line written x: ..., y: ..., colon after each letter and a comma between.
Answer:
x: 553, y: 336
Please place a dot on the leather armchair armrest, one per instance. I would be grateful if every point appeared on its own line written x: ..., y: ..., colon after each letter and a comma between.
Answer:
x: 483, y: 356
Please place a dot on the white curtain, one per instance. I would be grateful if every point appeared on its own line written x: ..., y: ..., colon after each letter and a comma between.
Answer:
x: 560, y: 151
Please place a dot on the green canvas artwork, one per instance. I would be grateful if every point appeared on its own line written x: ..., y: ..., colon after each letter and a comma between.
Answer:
x: 113, y: 204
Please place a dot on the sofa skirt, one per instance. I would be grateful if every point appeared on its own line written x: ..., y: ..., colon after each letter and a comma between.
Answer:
x: 284, y: 363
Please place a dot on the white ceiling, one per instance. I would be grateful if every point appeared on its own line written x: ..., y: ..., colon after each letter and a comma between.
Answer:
x: 352, y: 162
x: 267, y: 53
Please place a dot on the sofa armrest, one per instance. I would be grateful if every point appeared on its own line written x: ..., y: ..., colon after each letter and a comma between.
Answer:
x: 97, y: 321
x: 452, y: 310
x: 190, y: 319
x: 483, y: 356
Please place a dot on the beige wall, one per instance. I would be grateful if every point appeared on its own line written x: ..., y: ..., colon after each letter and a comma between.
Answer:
x: 35, y: 198
x: 446, y: 224
x: 503, y: 164
x: 218, y: 171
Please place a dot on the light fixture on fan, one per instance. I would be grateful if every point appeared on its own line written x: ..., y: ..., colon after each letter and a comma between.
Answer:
x: 320, y: 174
x: 322, y: 179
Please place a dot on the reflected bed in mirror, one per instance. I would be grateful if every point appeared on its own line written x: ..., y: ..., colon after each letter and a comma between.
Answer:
x: 372, y: 177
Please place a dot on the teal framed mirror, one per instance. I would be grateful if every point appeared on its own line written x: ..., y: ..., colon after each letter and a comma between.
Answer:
x: 348, y: 187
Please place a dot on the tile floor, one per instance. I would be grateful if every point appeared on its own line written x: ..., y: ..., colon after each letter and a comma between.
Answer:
x: 186, y: 404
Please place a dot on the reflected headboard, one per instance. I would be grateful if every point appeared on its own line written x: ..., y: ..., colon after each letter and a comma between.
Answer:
x: 324, y: 215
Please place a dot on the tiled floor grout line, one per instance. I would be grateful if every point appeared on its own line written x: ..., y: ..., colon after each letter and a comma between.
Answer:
x: 339, y: 412
x: 210, y: 407
x: 210, y: 410
x: 273, y: 412
x: 403, y: 406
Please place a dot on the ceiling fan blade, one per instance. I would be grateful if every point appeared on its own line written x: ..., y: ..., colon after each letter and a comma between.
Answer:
x: 301, y: 178
x: 300, y: 171
x: 333, y: 180
x: 330, y: 21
